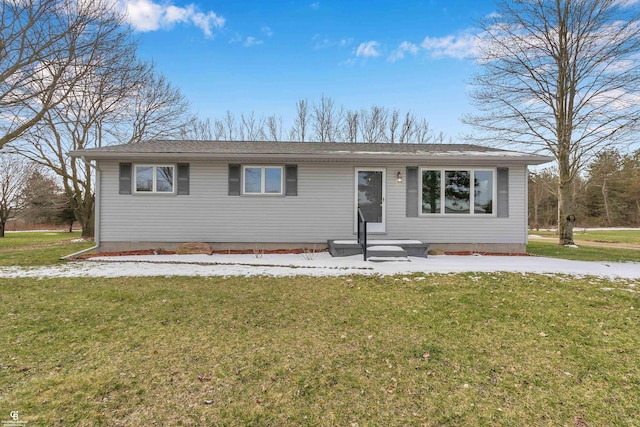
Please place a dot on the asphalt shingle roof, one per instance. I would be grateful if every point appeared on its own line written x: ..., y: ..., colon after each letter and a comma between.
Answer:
x: 302, y: 150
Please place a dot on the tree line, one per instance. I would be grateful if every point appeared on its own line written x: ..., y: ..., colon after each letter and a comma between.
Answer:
x: 606, y: 195
x: 29, y: 192
x: 319, y: 121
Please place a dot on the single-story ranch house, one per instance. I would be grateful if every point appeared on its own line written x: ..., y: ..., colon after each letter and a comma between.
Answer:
x: 279, y: 195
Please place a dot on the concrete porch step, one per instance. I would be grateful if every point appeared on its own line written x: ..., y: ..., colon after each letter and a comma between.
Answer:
x: 388, y: 259
x: 385, y: 251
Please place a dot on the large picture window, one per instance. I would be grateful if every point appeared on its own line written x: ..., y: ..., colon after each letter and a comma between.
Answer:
x: 154, y: 178
x: 457, y: 191
x: 262, y: 180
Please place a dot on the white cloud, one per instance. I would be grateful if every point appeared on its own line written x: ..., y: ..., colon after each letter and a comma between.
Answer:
x: 460, y: 46
x: 248, y: 41
x: 323, y: 42
x: 252, y: 41
x: 267, y: 30
x: 368, y: 49
x: 627, y: 3
x: 315, y: 5
x: 404, y: 48
x: 147, y: 15
x: 615, y: 99
x: 175, y: 14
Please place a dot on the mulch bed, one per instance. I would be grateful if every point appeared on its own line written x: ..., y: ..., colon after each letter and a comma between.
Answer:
x: 126, y: 253
x: 274, y: 251
x: 225, y: 252
x: 487, y: 253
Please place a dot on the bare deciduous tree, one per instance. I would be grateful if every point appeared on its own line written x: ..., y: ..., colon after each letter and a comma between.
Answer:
x: 230, y: 125
x: 274, y: 128
x: 199, y: 130
x: 393, y: 126
x: 422, y: 133
x: 14, y: 173
x: 252, y: 128
x: 373, y: 124
x: 46, y: 46
x: 408, y: 124
x: 219, y: 130
x: 159, y: 110
x: 603, y: 173
x: 351, y: 122
x: 327, y: 120
x: 302, y: 119
x: 542, y: 197
x: 561, y: 76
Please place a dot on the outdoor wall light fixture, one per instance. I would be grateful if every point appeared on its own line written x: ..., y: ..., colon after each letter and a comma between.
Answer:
x: 399, y: 176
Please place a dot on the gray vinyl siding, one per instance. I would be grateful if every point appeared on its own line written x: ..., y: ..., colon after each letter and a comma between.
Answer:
x: 459, y: 228
x: 322, y: 209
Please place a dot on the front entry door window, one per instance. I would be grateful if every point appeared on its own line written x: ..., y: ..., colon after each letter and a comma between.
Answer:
x: 370, y: 196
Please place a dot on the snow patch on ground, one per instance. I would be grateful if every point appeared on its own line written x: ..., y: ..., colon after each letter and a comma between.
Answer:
x: 320, y: 264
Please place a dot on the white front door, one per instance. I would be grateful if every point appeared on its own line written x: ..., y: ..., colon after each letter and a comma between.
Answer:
x: 370, y: 197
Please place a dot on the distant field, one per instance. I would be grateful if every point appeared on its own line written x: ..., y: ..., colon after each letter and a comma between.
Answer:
x: 608, y: 236
x: 582, y: 253
x: 39, y: 248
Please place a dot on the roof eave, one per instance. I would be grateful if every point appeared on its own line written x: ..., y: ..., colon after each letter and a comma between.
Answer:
x: 411, y: 158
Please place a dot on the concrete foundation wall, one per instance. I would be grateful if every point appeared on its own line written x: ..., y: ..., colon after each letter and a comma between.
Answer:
x: 506, y: 248
x: 216, y: 246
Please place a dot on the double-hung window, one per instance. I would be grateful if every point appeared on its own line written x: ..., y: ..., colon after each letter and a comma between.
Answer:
x: 262, y: 180
x: 457, y: 191
x: 155, y: 179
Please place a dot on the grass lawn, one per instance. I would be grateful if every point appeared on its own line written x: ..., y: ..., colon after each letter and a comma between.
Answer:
x: 582, y: 253
x: 39, y: 248
x: 608, y: 236
x: 488, y: 349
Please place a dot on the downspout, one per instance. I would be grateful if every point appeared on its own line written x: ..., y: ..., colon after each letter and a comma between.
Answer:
x: 96, y: 228
x: 66, y: 257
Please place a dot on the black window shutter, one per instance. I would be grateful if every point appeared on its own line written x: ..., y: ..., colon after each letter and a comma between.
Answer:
x: 291, y: 180
x: 183, y: 179
x: 234, y: 180
x: 412, y: 191
x: 503, y: 192
x: 125, y: 178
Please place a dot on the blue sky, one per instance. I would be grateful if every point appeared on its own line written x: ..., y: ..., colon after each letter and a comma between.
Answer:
x: 263, y: 56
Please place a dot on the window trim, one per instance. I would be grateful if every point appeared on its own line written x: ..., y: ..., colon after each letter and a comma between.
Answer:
x: 154, y: 167
x: 263, y: 181
x: 472, y: 171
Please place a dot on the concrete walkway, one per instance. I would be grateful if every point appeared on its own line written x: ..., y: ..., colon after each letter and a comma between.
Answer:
x: 320, y: 264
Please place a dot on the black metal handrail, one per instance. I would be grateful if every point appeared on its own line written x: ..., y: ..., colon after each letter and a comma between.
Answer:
x: 362, y: 233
